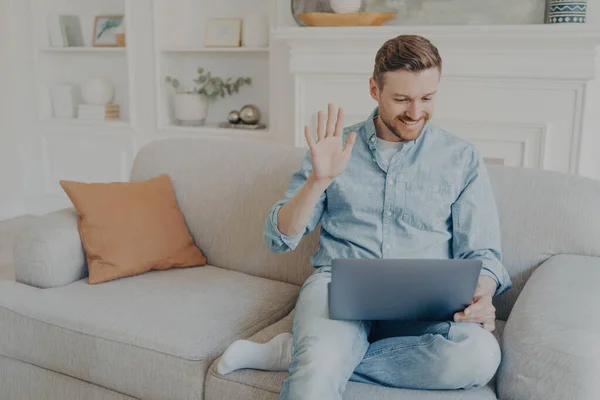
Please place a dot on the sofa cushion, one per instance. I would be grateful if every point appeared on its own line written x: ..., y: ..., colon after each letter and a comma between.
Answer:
x: 151, y: 336
x: 532, y: 203
x: 128, y: 228
x: 551, y: 337
x: 228, y: 220
x: 16, y: 377
x: 263, y: 385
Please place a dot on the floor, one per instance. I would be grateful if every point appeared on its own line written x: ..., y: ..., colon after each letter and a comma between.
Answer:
x: 9, y: 229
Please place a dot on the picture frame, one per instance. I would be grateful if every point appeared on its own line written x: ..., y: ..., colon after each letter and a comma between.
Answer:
x: 223, y: 32
x: 105, y: 30
x: 64, y: 31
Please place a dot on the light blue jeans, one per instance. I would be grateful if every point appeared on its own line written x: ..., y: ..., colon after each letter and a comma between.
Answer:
x: 327, y: 353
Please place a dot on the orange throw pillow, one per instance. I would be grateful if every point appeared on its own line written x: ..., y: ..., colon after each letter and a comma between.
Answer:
x: 128, y: 228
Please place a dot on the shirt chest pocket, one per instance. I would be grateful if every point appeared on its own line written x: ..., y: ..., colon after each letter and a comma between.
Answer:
x: 427, y: 206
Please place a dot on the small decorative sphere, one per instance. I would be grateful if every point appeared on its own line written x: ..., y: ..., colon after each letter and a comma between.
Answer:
x: 250, y: 114
x: 233, y: 117
x: 98, y: 91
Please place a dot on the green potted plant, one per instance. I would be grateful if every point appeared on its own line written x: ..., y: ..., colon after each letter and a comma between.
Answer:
x: 190, y: 105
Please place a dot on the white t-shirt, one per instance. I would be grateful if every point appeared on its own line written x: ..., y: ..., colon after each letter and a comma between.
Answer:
x: 387, y: 149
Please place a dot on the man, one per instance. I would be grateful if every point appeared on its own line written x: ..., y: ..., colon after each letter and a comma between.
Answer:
x: 393, y: 186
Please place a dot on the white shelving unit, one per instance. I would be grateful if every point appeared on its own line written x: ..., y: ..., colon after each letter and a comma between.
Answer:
x: 75, y: 65
x: 180, y: 51
x: 82, y: 49
x: 84, y: 122
x: 214, y: 130
x: 76, y: 149
x: 215, y: 50
x: 163, y: 38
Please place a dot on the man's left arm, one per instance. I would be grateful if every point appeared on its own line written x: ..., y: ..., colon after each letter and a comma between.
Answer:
x: 476, y: 235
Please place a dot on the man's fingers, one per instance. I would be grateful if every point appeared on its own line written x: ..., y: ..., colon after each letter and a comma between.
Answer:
x: 339, y: 124
x: 480, y: 304
x: 309, y: 139
x: 490, y: 326
x: 330, y: 120
x: 320, y: 126
x: 479, y: 318
x: 350, y: 140
x: 460, y: 317
x: 475, y: 308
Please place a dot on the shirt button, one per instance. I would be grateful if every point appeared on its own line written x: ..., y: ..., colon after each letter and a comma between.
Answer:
x: 372, y: 139
x: 392, y: 183
x: 389, y: 213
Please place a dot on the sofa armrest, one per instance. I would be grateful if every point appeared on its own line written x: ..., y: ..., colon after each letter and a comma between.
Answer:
x: 551, y: 341
x: 49, y: 252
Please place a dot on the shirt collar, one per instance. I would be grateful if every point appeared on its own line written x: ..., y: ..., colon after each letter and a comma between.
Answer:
x: 370, y: 133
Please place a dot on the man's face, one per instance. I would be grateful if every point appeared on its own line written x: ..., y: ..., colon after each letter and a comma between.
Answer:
x: 406, y: 101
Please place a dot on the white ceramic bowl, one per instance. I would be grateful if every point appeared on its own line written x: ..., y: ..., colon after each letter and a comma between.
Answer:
x: 345, y: 6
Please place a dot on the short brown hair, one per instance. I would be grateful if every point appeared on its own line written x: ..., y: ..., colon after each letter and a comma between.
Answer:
x: 405, y: 52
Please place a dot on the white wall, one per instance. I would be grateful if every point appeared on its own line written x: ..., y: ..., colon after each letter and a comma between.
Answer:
x: 593, y: 14
x: 22, y: 184
x: 11, y: 107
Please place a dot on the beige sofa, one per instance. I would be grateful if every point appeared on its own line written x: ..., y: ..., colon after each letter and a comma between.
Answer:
x: 156, y: 336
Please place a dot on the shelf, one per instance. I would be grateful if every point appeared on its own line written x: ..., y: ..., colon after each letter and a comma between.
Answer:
x: 359, y: 32
x: 489, y: 35
x: 215, y: 50
x: 75, y: 121
x: 82, y: 49
x: 214, y: 130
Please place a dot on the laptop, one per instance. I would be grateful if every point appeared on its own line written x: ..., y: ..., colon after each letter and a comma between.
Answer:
x: 401, y: 289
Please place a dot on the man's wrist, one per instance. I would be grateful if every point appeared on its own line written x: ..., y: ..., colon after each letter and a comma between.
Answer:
x: 320, y: 184
x: 486, y: 285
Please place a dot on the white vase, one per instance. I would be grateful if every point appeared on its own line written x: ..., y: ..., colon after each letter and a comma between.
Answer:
x: 98, y: 91
x: 345, y: 6
x: 255, y: 31
x: 189, y: 109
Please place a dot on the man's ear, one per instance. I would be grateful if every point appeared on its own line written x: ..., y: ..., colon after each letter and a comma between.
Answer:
x: 373, y: 89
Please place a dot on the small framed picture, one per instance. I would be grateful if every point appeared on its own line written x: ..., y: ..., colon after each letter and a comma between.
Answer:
x: 105, y: 30
x: 223, y: 32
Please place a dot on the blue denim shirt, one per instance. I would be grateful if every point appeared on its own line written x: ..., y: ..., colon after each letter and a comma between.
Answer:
x: 434, y: 200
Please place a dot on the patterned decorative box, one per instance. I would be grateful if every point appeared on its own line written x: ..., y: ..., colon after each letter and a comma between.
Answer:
x: 567, y: 11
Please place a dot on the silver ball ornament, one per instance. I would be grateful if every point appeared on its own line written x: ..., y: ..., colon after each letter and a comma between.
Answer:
x: 250, y: 114
x: 233, y: 117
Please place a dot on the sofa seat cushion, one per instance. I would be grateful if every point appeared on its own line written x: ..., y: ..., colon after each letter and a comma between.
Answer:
x: 262, y: 385
x: 151, y: 336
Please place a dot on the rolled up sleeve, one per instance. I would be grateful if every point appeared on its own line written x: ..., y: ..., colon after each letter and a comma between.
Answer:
x: 276, y: 241
x: 476, y: 226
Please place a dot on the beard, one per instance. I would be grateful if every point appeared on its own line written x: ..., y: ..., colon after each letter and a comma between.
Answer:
x: 405, y: 132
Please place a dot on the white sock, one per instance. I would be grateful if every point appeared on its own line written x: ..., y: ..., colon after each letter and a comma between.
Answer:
x: 274, y: 355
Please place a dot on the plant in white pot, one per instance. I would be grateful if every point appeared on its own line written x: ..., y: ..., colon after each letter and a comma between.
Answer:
x: 190, y: 106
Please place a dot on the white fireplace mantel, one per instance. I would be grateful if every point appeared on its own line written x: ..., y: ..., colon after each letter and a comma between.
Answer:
x: 493, y: 51
x: 521, y: 93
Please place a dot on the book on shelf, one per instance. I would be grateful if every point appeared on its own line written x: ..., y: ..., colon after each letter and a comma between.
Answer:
x: 107, y: 112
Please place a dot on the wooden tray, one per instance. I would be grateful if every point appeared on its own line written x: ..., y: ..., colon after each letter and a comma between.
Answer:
x: 349, y: 19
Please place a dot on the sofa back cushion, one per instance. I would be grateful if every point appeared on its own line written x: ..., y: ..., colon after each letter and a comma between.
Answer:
x: 542, y: 213
x: 226, y: 188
